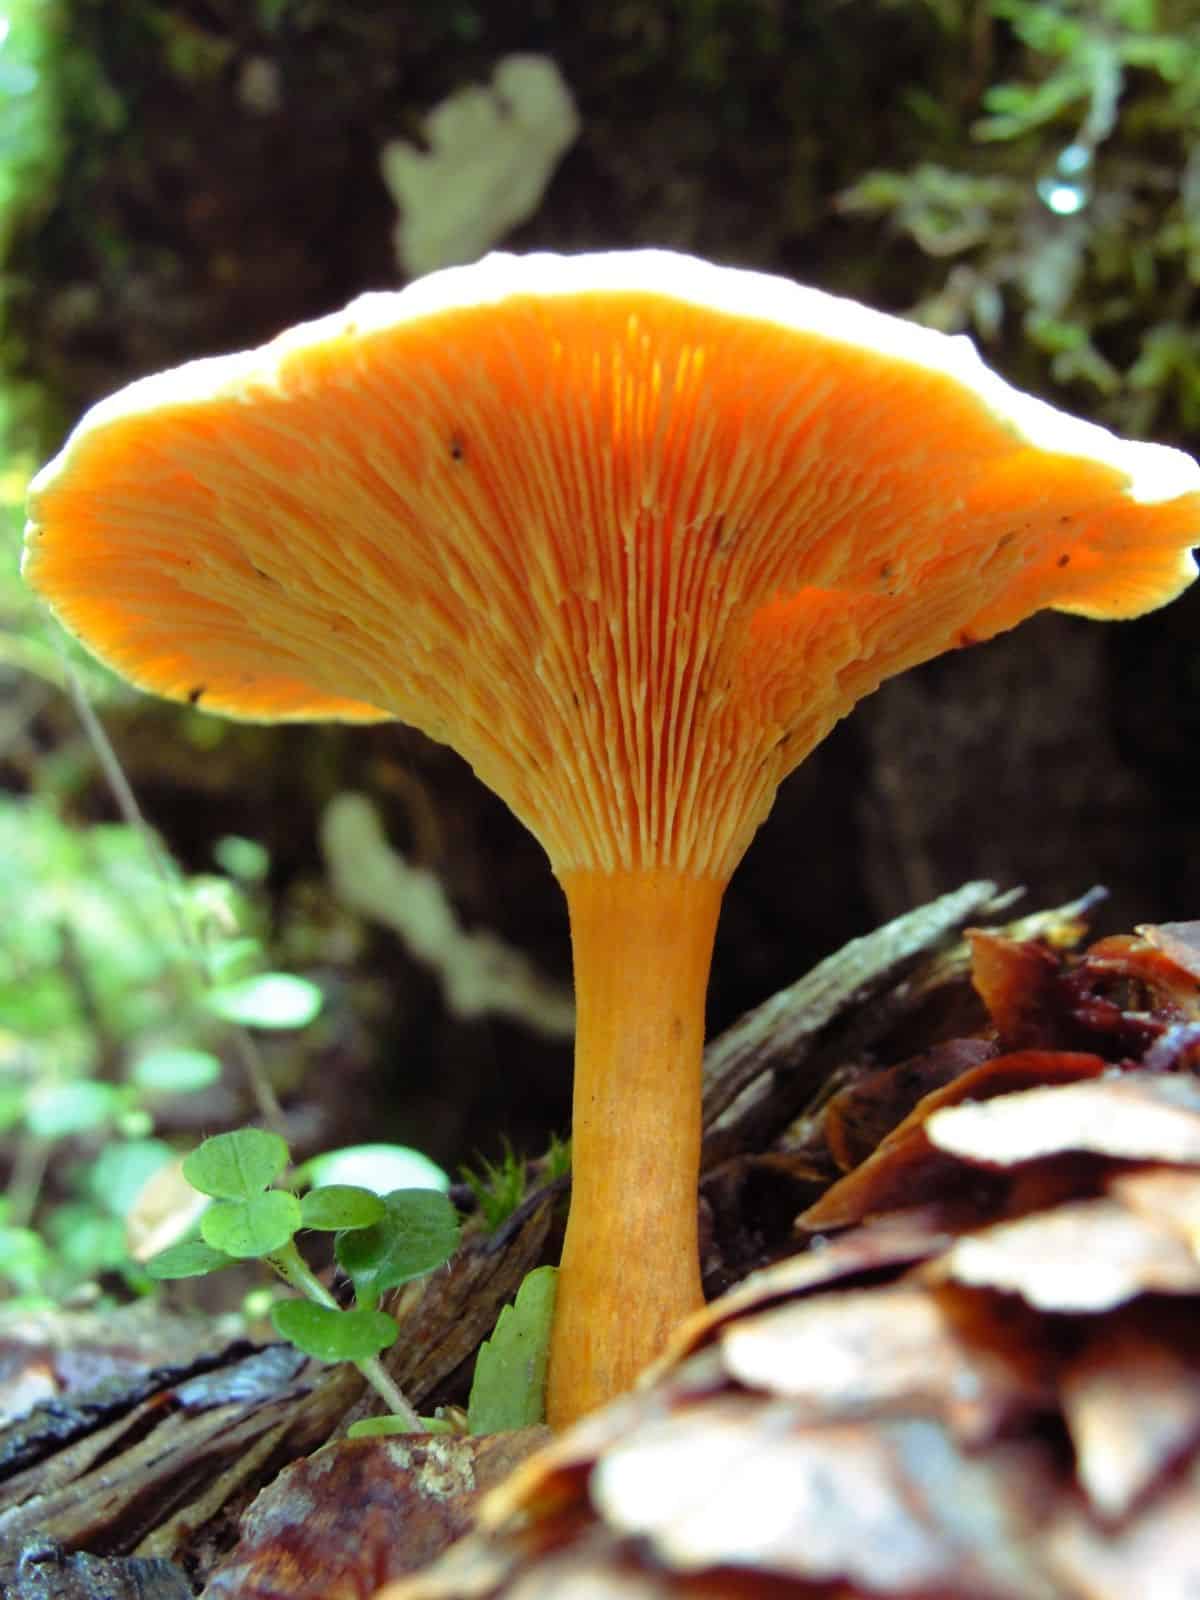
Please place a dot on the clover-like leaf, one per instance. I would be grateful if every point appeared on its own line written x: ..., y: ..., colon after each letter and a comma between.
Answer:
x: 236, y: 1166
x: 332, y: 1335
x: 418, y: 1232
x: 340, y: 1205
x: 191, y: 1258
x: 254, y: 1227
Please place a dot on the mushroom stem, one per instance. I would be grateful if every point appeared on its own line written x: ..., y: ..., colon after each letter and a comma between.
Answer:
x: 630, y: 1269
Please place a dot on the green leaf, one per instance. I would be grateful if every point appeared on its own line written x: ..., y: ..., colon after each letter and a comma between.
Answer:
x: 191, y: 1258
x: 340, y: 1205
x: 378, y: 1167
x: 134, y: 1123
x: 509, y: 1387
x: 418, y: 1232
x: 271, y: 1000
x: 236, y: 1166
x: 333, y: 1335
x: 248, y: 1228
x: 242, y: 858
x: 375, y: 1427
x: 61, y: 1109
x: 24, y: 1259
x: 175, y: 1071
x: 232, y: 959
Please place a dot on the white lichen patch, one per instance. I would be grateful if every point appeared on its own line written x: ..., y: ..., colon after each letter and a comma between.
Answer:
x: 443, y: 1469
x: 491, y: 152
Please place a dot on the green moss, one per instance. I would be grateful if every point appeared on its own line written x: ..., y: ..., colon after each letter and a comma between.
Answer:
x: 30, y: 131
x: 1063, y: 205
x: 31, y: 152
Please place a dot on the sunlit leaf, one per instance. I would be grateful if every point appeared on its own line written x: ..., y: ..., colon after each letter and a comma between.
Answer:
x: 230, y: 959
x: 12, y: 1106
x: 383, y: 1427
x: 271, y: 1000
x: 24, y: 1259
x: 379, y: 1167
x: 85, y: 1238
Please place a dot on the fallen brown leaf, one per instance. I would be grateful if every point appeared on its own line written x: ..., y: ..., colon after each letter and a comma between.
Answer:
x: 859, y: 1117
x: 1089, y: 1255
x: 1163, y: 1195
x: 1178, y: 941
x: 1135, y: 1117
x: 1010, y: 1413
x: 887, y: 1350
x: 1156, y: 1555
x: 1017, y: 981
x: 906, y: 1170
x: 1132, y: 1404
x: 887, y: 1506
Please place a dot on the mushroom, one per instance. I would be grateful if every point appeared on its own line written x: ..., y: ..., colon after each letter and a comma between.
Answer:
x: 631, y: 532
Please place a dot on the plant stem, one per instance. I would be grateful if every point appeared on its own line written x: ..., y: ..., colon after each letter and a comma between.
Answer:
x: 31, y: 1157
x: 122, y: 792
x: 292, y: 1267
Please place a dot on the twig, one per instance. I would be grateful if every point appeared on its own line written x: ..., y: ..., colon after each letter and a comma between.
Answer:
x: 247, y: 1051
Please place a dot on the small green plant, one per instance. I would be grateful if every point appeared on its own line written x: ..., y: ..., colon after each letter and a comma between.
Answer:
x: 380, y: 1241
x: 509, y: 1387
x: 107, y: 1015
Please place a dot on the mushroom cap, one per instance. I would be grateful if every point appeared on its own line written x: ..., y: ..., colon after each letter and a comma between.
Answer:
x: 630, y: 531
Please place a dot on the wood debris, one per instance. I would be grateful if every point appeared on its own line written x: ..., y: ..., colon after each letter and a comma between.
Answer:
x: 968, y: 1367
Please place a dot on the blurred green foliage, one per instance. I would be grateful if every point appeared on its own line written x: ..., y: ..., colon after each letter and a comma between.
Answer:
x: 117, y: 995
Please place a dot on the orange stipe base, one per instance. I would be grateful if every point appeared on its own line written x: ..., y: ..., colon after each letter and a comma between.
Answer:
x: 630, y: 1268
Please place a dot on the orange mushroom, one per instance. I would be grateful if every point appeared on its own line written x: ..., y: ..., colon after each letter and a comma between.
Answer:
x: 631, y: 532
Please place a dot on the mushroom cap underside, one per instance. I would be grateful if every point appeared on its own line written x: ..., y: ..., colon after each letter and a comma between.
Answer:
x: 629, y: 531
